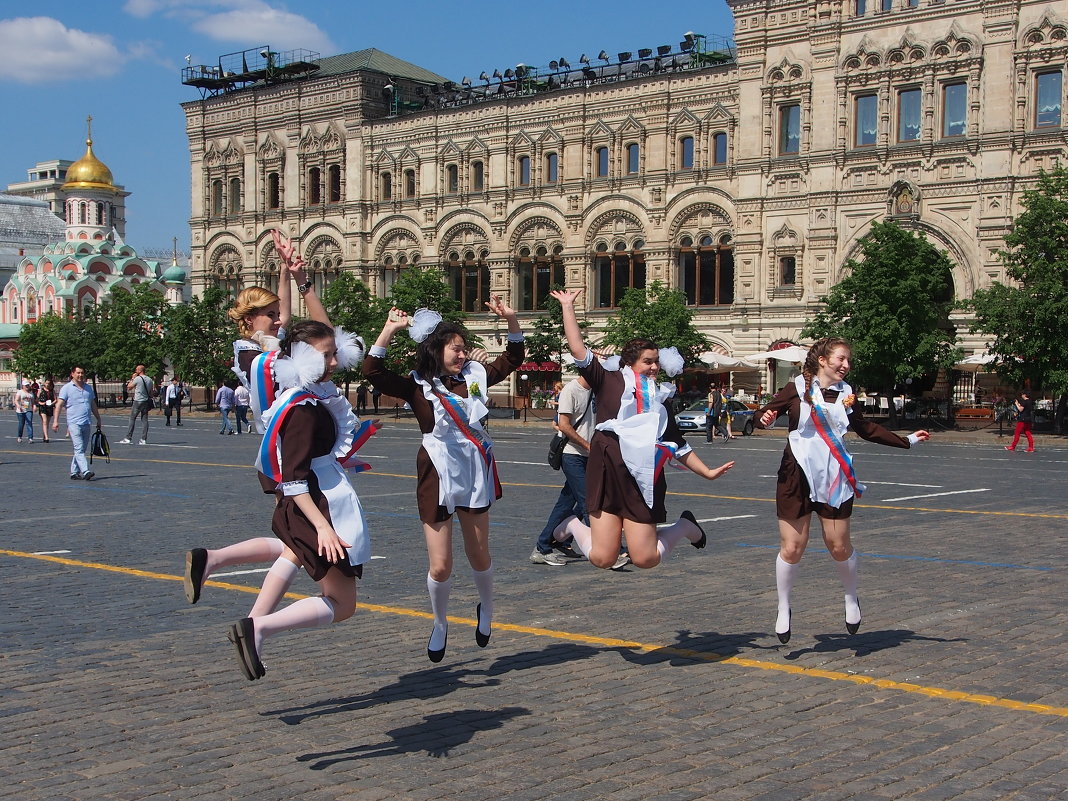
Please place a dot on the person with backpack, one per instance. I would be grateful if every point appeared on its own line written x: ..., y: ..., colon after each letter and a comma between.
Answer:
x: 79, y: 399
x: 142, y: 388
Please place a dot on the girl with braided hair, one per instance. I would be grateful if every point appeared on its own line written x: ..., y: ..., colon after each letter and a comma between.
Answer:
x: 816, y: 473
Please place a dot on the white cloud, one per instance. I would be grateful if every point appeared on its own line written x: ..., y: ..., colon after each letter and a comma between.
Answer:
x: 259, y: 23
x: 43, y: 50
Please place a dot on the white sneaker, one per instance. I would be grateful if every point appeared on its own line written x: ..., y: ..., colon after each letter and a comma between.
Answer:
x: 621, y: 562
x: 124, y: 441
x: 551, y: 558
x: 142, y: 442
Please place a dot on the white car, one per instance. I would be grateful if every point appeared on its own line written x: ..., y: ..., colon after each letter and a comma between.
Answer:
x: 692, y: 418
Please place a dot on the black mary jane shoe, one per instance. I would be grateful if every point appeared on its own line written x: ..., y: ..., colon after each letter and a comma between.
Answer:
x: 481, y: 640
x: 196, y: 562
x: 688, y: 515
x: 243, y: 635
x: 785, y: 636
x: 436, y: 655
x: 853, y: 628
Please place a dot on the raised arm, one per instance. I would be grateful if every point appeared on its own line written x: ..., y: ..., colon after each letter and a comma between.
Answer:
x: 571, y: 327
x: 396, y: 320
x: 293, y: 269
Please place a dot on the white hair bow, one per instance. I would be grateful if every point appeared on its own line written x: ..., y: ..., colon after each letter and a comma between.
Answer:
x: 671, y: 361
x: 423, y: 323
x: 350, y: 348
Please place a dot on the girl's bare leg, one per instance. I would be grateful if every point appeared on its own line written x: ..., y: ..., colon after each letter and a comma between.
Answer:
x: 606, y: 537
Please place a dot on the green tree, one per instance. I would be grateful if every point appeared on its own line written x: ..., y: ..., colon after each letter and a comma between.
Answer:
x: 545, y: 340
x: 416, y: 288
x: 893, y: 306
x: 53, y: 344
x: 198, y: 340
x: 131, y: 332
x: 349, y: 303
x: 1028, y: 322
x: 659, y: 314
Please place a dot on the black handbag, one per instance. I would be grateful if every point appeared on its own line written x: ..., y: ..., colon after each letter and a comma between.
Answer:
x: 556, y: 449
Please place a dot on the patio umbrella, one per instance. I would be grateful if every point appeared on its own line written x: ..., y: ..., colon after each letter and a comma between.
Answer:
x: 974, y: 363
x: 793, y: 353
x: 719, y: 361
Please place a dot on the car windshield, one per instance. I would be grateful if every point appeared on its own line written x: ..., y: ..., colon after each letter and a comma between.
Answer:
x: 696, y: 406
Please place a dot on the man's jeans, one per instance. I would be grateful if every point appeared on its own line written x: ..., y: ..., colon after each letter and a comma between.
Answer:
x: 572, y: 500
x: 26, y: 422
x: 138, y: 408
x: 225, y: 414
x: 241, y: 420
x: 79, y: 437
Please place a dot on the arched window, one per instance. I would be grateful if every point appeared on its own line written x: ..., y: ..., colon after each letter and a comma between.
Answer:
x: 409, y: 183
x: 616, y: 271
x: 315, y: 188
x: 452, y: 179
x: 274, y: 194
x: 216, y: 198
x: 600, y: 157
x: 633, y: 158
x: 334, y: 183
x: 478, y: 176
x: 235, y: 196
x: 523, y: 172
x: 686, y: 153
x: 706, y: 271
x: 719, y: 148
x: 387, y: 185
x: 100, y: 214
x: 536, y: 273
x: 469, y: 278
x: 552, y: 168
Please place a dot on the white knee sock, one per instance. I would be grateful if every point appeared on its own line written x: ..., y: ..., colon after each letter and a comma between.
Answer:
x: 670, y: 536
x: 439, y: 605
x: 847, y: 572
x: 784, y: 584
x: 484, y: 584
x: 307, y: 613
x: 578, y: 530
x: 275, y: 584
x: 260, y: 549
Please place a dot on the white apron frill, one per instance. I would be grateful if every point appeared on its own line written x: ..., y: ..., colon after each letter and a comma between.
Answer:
x: 462, y: 454
x: 827, y: 479
x: 640, y: 429
x: 346, y: 513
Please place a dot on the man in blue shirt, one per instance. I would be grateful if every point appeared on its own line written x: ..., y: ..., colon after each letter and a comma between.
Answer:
x: 79, y: 400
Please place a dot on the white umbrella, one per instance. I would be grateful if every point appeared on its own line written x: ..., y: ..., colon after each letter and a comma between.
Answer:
x: 974, y: 363
x: 719, y: 361
x: 793, y: 353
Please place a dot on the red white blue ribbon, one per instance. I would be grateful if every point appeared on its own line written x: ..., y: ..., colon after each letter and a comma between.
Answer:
x: 262, y: 375
x: 269, y: 460
x: 453, y: 406
x: 826, y: 432
x: 364, y: 432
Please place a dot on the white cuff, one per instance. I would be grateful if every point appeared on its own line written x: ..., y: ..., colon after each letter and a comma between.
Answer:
x: 913, y: 439
x: 516, y: 337
x: 586, y: 360
x: 377, y: 351
x: 685, y: 449
x: 291, y: 488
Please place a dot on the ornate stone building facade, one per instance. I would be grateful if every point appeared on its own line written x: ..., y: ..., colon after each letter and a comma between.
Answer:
x: 742, y: 176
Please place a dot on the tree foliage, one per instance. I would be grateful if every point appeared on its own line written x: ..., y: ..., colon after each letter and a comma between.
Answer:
x: 545, y: 340
x: 659, y: 314
x: 893, y: 306
x: 198, y: 339
x: 1028, y: 323
x: 131, y: 326
x: 350, y: 305
x: 53, y: 344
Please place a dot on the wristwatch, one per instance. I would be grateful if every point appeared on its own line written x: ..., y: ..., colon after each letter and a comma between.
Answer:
x: 303, y: 288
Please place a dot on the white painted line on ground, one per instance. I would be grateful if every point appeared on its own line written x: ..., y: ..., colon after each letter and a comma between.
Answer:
x: 63, y: 517
x: 934, y: 495
x: 540, y: 464
x: 900, y: 484
x: 49, y: 553
x: 717, y: 519
x: 241, y: 572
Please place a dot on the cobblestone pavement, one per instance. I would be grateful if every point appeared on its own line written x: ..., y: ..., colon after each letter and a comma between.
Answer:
x: 666, y: 684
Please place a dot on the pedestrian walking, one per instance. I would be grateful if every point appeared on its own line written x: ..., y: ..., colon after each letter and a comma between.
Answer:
x: 46, y: 405
x: 457, y: 473
x: 79, y: 399
x: 241, y: 404
x: 173, y: 395
x: 816, y: 474
x: 25, y: 406
x: 361, y: 398
x: 225, y: 399
x: 142, y: 388
x: 1025, y: 420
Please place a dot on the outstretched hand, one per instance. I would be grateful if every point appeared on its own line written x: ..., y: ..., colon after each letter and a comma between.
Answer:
x: 567, y: 297
x: 922, y: 435
x: 716, y: 472
x: 287, y: 251
x: 496, y: 305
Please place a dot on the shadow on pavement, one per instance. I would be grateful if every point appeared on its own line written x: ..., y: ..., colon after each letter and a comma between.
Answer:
x: 865, y: 643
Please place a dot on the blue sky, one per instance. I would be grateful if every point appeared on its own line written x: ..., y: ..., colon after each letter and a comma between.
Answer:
x: 120, y: 61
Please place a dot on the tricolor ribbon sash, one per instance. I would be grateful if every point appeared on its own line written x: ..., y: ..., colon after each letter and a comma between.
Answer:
x: 826, y: 432
x: 269, y: 458
x: 454, y: 408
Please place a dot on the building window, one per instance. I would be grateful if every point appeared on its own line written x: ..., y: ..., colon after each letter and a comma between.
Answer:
x: 315, y: 189
x: 1048, y: 96
x: 524, y: 170
x: 790, y: 129
x: 99, y: 213
x: 787, y: 270
x: 859, y: 7
x: 452, y: 179
x: 706, y: 272
x: 274, y: 194
x: 719, y: 148
x: 409, y: 183
x: 470, y: 281
x: 616, y: 272
x: 954, y: 109
x: 601, y: 157
x: 686, y: 153
x: 886, y: 5
x: 908, y: 115
x: 536, y: 274
x: 633, y: 158
x: 387, y: 185
x: 912, y: 3
x: 235, y: 196
x: 552, y: 168
x: 216, y: 199
x: 478, y: 176
x: 865, y: 116
x: 333, y: 174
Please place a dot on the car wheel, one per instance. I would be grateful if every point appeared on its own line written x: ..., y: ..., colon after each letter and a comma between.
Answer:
x: 747, y: 429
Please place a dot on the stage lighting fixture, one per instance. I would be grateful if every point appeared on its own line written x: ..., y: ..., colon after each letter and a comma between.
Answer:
x: 624, y: 56
x: 564, y: 64
x: 645, y: 52
x: 484, y: 77
x: 584, y: 59
x: 603, y: 55
x: 663, y: 50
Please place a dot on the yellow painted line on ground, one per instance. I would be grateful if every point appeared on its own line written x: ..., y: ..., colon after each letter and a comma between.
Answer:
x: 607, y: 642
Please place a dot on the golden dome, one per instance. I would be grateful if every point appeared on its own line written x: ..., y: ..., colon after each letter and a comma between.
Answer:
x: 89, y: 172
